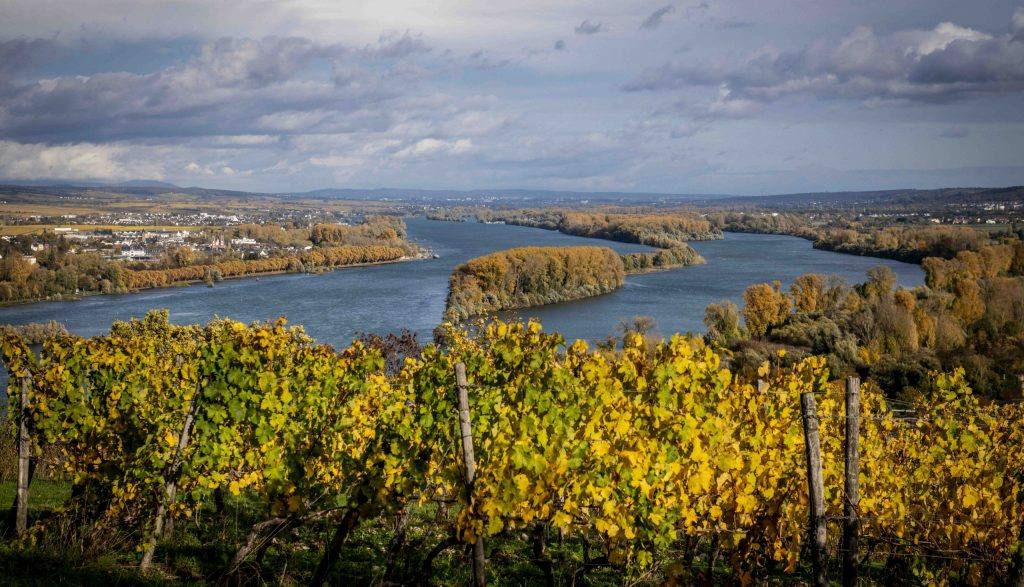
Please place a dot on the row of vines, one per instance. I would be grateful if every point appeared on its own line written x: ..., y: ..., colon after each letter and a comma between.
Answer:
x: 641, y: 453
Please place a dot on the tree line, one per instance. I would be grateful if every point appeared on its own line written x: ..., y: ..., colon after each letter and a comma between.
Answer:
x: 622, y: 224
x: 909, y: 243
x: 60, y: 272
x: 969, y: 316
x: 677, y: 256
x: 531, y: 276
x: 312, y: 260
x: 374, y: 230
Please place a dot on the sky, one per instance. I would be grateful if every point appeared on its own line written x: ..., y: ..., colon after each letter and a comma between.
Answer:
x: 702, y: 96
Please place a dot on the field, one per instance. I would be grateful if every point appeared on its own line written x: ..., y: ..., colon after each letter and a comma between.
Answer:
x: 20, y: 229
x: 23, y: 202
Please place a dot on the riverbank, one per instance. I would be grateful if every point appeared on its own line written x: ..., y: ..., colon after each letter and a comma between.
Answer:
x: 914, y: 257
x: 423, y: 255
x: 339, y: 305
x: 906, y: 244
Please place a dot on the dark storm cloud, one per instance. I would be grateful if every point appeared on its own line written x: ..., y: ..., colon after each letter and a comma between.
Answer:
x: 653, y: 20
x: 233, y: 86
x: 945, y: 64
x: 589, y: 28
x: 19, y: 55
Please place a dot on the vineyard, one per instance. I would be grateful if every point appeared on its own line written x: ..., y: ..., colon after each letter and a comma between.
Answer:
x: 560, y: 464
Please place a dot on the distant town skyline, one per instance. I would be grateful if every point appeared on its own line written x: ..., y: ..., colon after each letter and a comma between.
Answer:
x: 732, y: 97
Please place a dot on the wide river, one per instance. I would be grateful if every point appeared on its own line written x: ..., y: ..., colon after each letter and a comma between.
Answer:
x: 335, y: 306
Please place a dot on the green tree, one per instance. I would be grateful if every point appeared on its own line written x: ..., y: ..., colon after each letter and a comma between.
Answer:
x: 723, y: 323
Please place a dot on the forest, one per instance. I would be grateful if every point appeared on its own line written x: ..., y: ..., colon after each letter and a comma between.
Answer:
x: 910, y: 243
x: 970, y: 317
x: 627, y: 225
x: 531, y: 276
x: 251, y: 454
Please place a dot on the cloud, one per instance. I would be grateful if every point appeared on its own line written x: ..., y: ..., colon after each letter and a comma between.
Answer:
x: 73, y: 161
x: 433, y: 146
x: 481, y: 60
x: 589, y: 28
x: 19, y: 55
x: 296, y: 95
x: 231, y: 86
x: 654, y: 19
x: 947, y: 63
x: 395, y: 46
x: 733, y: 24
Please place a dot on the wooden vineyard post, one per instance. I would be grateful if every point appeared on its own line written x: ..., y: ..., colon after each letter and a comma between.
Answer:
x: 466, y: 431
x: 24, y: 460
x: 815, y: 487
x: 1015, y: 576
x: 851, y: 521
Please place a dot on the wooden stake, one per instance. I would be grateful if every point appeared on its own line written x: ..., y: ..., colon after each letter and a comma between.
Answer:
x: 1015, y: 576
x: 851, y: 521
x: 24, y: 459
x: 466, y: 431
x: 815, y: 487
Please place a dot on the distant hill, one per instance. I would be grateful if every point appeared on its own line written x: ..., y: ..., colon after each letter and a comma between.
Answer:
x: 875, y: 199
x: 508, y: 194
x: 145, y: 183
x: 523, y: 197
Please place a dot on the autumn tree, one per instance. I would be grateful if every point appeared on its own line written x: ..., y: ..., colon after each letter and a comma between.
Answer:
x: 807, y: 291
x: 723, y: 322
x: 765, y: 306
x: 881, y: 281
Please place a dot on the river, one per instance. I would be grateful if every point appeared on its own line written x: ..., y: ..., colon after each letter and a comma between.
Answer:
x: 335, y: 306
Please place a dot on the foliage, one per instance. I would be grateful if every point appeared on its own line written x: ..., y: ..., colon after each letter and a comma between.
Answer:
x: 319, y: 258
x: 678, y: 256
x: 971, y: 316
x: 663, y: 231
x: 531, y: 276
x: 842, y: 235
x: 723, y: 323
x: 375, y: 230
x: 764, y: 306
x: 640, y: 454
x: 61, y: 272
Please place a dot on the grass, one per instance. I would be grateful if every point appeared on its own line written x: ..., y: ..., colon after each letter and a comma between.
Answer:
x: 44, y: 494
x: 201, y: 548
